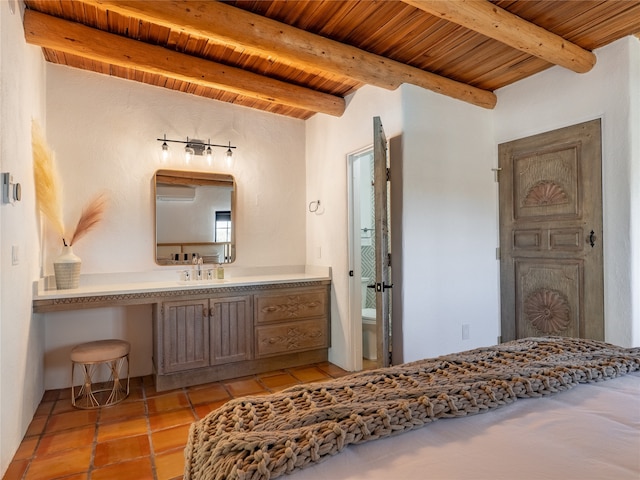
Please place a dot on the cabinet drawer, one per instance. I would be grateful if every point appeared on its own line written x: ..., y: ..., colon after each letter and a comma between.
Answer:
x: 291, y: 337
x: 276, y: 308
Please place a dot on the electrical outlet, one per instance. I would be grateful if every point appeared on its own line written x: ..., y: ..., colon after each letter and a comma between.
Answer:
x: 465, y: 331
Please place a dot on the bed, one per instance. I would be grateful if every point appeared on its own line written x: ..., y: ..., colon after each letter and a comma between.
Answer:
x: 547, y: 412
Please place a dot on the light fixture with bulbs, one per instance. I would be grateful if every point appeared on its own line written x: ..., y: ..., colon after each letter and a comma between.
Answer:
x: 193, y: 147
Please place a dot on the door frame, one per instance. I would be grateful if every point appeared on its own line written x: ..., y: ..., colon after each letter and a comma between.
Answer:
x: 354, y: 341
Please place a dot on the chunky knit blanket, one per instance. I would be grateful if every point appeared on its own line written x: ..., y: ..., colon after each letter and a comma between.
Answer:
x: 264, y: 437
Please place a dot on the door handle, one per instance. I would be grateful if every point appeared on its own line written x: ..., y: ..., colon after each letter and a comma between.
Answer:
x: 380, y: 287
x: 592, y: 239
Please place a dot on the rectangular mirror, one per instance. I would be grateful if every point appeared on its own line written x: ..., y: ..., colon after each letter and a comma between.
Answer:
x: 195, y: 217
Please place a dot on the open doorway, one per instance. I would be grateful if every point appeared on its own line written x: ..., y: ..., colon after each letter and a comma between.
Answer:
x: 370, y: 259
x: 362, y: 256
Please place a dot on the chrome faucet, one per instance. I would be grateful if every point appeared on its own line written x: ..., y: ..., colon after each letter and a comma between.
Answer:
x: 197, y: 261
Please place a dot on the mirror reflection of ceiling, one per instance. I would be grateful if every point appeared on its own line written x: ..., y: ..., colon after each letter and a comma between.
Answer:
x: 194, y: 214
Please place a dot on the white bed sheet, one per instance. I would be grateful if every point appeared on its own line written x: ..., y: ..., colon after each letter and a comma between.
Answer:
x: 591, y: 432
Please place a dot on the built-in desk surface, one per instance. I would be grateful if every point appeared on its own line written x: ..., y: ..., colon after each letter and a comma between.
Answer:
x: 141, y: 288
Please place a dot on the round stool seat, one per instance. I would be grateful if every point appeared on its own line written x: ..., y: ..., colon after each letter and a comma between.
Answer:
x: 100, y: 351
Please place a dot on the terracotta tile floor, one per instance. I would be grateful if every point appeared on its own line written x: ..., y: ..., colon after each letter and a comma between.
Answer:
x: 141, y: 438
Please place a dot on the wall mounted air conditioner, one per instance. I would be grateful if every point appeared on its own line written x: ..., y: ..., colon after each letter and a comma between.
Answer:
x: 175, y: 193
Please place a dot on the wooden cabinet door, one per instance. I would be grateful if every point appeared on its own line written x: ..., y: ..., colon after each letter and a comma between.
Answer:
x: 231, y: 324
x: 185, y: 335
x: 551, y: 234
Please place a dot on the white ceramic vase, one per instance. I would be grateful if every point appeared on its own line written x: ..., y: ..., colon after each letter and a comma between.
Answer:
x: 67, y: 269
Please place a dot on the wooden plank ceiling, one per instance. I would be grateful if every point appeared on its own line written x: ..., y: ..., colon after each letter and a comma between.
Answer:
x: 297, y: 58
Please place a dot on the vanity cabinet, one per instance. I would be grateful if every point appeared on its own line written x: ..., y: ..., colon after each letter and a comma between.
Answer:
x: 214, y: 334
x: 205, y: 332
x: 199, y: 333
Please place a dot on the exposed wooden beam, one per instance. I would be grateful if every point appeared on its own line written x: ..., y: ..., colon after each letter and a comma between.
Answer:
x: 70, y: 37
x: 234, y: 26
x: 494, y: 22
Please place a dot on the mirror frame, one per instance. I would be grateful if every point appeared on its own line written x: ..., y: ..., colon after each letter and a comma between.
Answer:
x: 194, y: 178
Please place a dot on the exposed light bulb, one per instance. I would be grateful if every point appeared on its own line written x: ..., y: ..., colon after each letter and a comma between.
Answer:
x: 165, y: 151
x: 229, y: 155
x: 209, y: 155
x: 188, y: 153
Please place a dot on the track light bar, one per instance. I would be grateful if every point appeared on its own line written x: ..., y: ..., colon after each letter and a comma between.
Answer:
x: 195, y: 147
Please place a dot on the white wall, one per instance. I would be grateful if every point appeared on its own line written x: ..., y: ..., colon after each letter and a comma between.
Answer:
x: 557, y: 98
x: 449, y: 225
x: 103, y: 131
x: 329, y: 141
x: 21, y: 334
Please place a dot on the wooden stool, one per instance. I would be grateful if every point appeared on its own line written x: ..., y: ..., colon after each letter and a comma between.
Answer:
x: 98, y: 360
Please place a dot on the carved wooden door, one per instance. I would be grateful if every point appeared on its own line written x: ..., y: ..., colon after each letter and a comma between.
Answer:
x: 551, y: 270
x: 381, y: 232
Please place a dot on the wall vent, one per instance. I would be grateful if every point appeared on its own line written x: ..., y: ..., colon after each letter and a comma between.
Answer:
x: 175, y: 193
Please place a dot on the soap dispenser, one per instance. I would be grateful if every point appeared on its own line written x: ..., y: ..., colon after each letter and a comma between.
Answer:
x: 220, y: 272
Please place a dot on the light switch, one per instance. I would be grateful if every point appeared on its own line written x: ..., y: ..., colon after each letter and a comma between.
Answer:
x: 15, y: 255
x: 11, y: 192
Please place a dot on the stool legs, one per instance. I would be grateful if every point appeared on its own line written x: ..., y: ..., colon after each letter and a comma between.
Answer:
x: 118, y: 392
x: 91, y: 394
x: 85, y: 393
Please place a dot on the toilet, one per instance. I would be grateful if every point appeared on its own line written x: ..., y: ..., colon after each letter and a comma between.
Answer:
x: 369, y: 349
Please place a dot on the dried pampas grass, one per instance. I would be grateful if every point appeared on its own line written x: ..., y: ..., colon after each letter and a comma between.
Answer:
x: 90, y: 217
x: 48, y: 192
x: 46, y: 183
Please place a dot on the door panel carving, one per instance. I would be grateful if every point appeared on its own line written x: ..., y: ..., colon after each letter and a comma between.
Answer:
x: 548, y: 298
x: 529, y: 239
x: 566, y: 239
x: 545, y: 183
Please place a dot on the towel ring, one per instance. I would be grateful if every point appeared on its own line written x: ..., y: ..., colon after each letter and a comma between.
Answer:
x: 314, y: 206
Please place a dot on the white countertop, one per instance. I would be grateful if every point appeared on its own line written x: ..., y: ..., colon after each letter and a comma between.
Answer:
x: 143, y: 282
